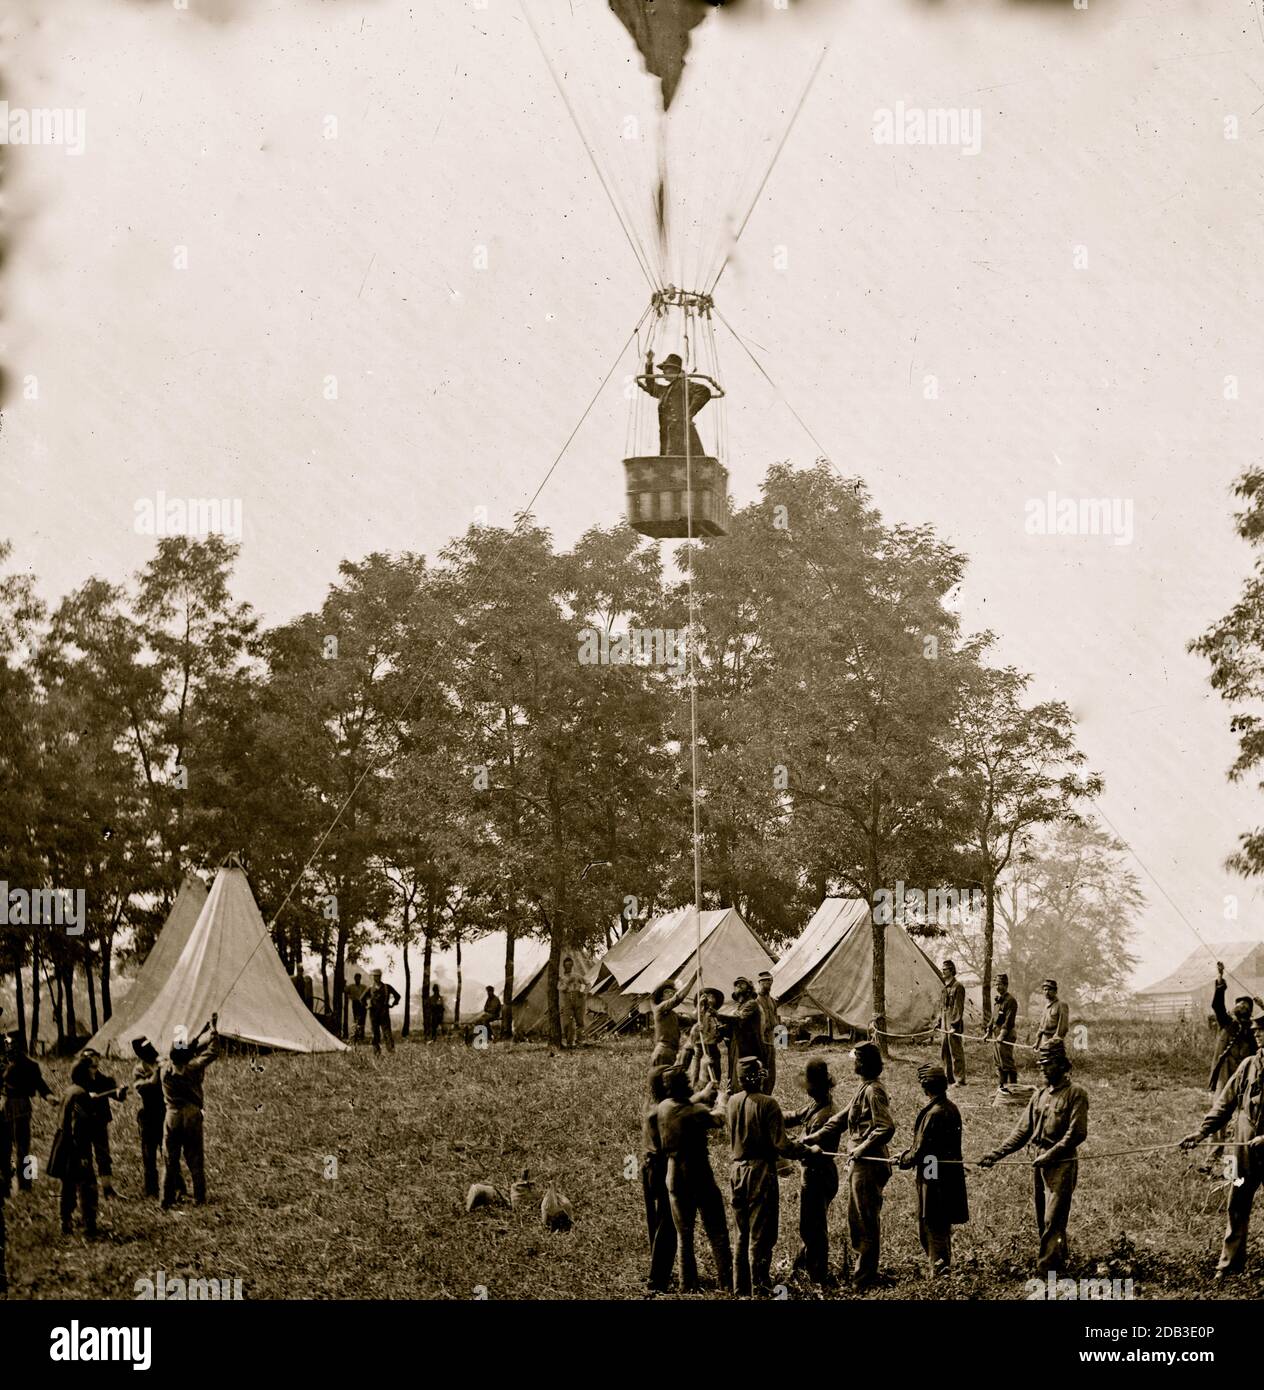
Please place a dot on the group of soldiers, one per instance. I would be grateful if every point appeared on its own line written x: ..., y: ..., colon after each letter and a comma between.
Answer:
x: 169, y: 1122
x: 686, y: 1103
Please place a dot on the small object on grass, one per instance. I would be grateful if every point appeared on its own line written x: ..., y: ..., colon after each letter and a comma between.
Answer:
x: 522, y: 1187
x: 483, y: 1194
x: 556, y: 1211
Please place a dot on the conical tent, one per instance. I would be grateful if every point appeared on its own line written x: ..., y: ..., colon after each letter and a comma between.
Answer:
x: 829, y: 971
x: 158, y: 965
x: 230, y: 966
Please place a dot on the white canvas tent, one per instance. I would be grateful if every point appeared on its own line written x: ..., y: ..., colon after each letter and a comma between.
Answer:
x: 829, y: 971
x: 667, y: 949
x: 228, y: 965
x: 158, y: 965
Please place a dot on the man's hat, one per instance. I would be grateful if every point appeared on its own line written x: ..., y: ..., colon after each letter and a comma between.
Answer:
x: 144, y: 1049
x: 1258, y: 1021
x: 715, y: 994
x: 1245, y: 999
x: 672, y: 359
x: 740, y: 983
x: 951, y: 965
x: 378, y: 973
x: 747, y: 1066
x: 765, y: 975
x: 931, y: 1071
x: 90, y: 1052
x: 868, y: 1053
x: 817, y: 1070
x: 1049, y: 984
x: 1002, y: 979
x: 1052, y: 1050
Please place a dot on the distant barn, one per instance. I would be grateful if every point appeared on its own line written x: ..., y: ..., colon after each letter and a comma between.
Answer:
x: 1186, y: 992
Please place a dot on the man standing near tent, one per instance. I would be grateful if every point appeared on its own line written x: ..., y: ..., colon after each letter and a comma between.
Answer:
x: 572, y: 997
x: 182, y: 1080
x: 820, y: 1175
x: 1241, y: 1100
x: 746, y: 1030
x: 70, y: 1158
x: 659, y: 1221
x: 1056, y: 1019
x: 771, y: 1021
x: 23, y: 1081
x: 757, y: 1139
x: 152, y: 1115
x: 684, y: 1125
x: 1001, y: 1029
x: 935, y: 1157
x: 869, y: 1128
x: 356, y: 992
x: 1055, y: 1124
x: 664, y: 1002
x: 381, y: 999
x: 103, y: 1089
x: 434, y: 1018
x: 952, y: 1024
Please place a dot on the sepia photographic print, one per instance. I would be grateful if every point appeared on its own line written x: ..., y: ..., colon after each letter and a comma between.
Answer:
x: 631, y: 672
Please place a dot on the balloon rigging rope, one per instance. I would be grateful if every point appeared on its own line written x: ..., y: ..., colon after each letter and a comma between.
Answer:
x: 794, y: 116
x: 619, y: 212
x: 374, y: 764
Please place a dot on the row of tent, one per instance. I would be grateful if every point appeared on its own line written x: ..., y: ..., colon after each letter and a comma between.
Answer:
x: 826, y: 974
x: 214, y: 955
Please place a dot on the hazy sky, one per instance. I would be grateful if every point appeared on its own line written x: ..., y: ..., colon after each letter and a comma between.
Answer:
x: 865, y: 269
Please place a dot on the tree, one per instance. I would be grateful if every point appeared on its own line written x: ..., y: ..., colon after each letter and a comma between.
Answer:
x: 1069, y: 909
x: 1014, y: 767
x: 845, y: 684
x: 1234, y: 646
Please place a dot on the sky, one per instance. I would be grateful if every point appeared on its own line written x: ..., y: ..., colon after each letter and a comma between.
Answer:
x: 349, y: 264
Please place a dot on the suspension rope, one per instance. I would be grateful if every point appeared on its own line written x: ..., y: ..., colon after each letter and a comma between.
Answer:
x: 624, y: 221
x: 375, y: 764
x: 821, y: 450
x: 693, y: 674
x: 794, y: 116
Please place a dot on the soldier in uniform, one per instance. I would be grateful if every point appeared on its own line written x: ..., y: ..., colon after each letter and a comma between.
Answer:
x: 1056, y: 1018
x: 664, y: 1002
x: 757, y: 1139
x: 684, y: 1125
x: 869, y: 1127
x: 1003, y: 1033
x: 952, y: 1024
x: 380, y: 1000
x: 746, y: 1030
x: 658, y: 1214
x: 23, y: 1081
x: 71, y: 1156
x: 771, y: 1020
x: 572, y: 998
x: 152, y: 1115
x: 182, y: 1079
x: 1241, y: 1100
x: 356, y: 992
x: 935, y: 1156
x: 103, y: 1089
x: 1235, y: 1041
x: 1055, y: 1124
x: 820, y: 1175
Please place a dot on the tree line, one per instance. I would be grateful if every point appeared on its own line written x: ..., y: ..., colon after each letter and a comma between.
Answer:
x: 442, y: 750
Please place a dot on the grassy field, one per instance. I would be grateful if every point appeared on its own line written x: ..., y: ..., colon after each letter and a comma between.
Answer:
x: 345, y: 1177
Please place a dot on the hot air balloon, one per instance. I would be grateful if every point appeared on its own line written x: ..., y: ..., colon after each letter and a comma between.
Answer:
x: 683, y: 163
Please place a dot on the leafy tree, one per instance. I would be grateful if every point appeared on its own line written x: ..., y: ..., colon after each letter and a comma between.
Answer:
x: 1014, y: 767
